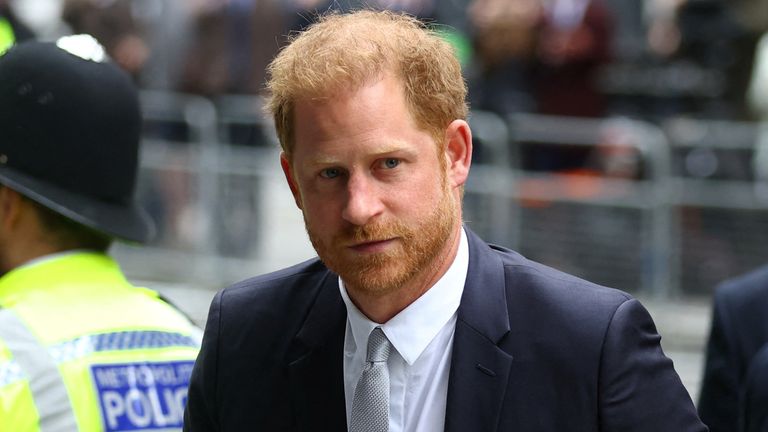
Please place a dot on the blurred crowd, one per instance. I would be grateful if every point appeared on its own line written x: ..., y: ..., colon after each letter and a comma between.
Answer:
x: 647, y: 59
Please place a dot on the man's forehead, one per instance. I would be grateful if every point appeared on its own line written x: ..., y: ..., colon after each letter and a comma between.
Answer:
x: 332, y: 88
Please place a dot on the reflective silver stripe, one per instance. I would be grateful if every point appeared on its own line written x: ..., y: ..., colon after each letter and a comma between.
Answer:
x: 10, y: 372
x: 118, y: 341
x: 45, y: 381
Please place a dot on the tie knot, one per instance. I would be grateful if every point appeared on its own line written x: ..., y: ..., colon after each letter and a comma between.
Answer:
x: 378, y: 346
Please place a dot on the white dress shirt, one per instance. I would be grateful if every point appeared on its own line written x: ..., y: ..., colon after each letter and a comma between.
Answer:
x: 422, y: 338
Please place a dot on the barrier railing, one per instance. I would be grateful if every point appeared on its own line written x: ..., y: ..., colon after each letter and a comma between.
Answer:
x: 565, y: 216
x: 621, y: 216
x: 720, y: 200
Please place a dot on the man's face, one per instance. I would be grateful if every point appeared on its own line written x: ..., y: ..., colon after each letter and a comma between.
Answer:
x: 377, y: 204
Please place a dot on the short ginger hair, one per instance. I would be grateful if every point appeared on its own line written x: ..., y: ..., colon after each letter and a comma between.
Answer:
x: 348, y: 51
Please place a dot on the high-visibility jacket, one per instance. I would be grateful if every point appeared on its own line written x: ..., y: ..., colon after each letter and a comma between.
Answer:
x: 81, y: 349
x: 7, y: 36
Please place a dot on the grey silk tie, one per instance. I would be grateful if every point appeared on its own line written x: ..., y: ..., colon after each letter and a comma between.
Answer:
x: 370, y: 406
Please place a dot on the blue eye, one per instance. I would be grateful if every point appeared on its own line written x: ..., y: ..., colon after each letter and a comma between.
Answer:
x: 391, y: 163
x: 330, y: 173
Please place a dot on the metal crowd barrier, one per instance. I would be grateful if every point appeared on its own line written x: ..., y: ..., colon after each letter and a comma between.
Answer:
x: 720, y: 198
x: 606, y: 223
x: 635, y: 213
x: 203, y: 192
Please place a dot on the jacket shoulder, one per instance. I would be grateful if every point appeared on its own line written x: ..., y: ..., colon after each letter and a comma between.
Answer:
x: 541, y: 280
x: 283, y: 297
x: 307, y: 267
x: 553, y: 306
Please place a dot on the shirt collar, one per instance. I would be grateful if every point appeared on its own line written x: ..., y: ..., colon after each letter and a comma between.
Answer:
x: 411, y: 330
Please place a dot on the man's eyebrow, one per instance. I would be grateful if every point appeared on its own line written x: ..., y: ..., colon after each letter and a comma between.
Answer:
x: 392, y: 149
x: 379, y: 151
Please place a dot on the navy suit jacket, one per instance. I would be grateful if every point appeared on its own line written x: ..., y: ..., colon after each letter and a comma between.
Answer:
x: 739, y: 330
x: 534, y: 350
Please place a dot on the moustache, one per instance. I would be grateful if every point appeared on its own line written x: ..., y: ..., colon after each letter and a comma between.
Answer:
x: 376, y: 231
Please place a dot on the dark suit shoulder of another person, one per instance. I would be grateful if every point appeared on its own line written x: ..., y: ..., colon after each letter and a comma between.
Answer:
x: 754, y: 406
x: 739, y: 329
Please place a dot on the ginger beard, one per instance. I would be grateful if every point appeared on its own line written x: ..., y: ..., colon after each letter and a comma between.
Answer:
x: 420, y: 248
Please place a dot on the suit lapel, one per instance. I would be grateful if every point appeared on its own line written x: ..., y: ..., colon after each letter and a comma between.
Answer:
x: 315, y: 365
x: 479, y: 368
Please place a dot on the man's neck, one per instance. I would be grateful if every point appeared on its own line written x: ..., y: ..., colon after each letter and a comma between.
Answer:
x: 382, y: 308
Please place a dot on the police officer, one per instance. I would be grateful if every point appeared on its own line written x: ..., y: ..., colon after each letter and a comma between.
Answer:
x: 81, y: 349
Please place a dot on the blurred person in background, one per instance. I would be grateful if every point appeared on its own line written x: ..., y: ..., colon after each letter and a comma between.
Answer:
x: 757, y: 97
x: 43, y: 17
x: 716, y: 35
x: 81, y: 349
x: 159, y: 41
x: 504, y: 35
x: 409, y: 321
x: 232, y: 42
x: 422, y: 9
x: 734, y: 389
x: 112, y: 23
x: 662, y: 33
x: 752, y: 19
x: 11, y: 29
x: 543, y: 56
x: 758, y: 87
x: 302, y: 13
x: 753, y: 415
x: 165, y: 27
x: 574, y: 41
x: 739, y: 331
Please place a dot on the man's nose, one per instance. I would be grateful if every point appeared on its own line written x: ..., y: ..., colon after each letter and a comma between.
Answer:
x: 363, y: 200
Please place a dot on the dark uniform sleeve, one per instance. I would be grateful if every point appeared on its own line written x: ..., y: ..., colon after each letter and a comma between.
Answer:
x: 719, y: 397
x: 201, y: 413
x: 639, y: 388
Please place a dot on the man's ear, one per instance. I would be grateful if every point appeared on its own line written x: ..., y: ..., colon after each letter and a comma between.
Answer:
x: 458, y: 152
x: 290, y: 178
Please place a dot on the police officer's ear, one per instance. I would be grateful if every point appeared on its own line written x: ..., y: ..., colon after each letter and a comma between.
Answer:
x: 11, y: 203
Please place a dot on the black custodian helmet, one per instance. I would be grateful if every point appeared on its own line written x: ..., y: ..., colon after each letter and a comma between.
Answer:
x: 70, y: 128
